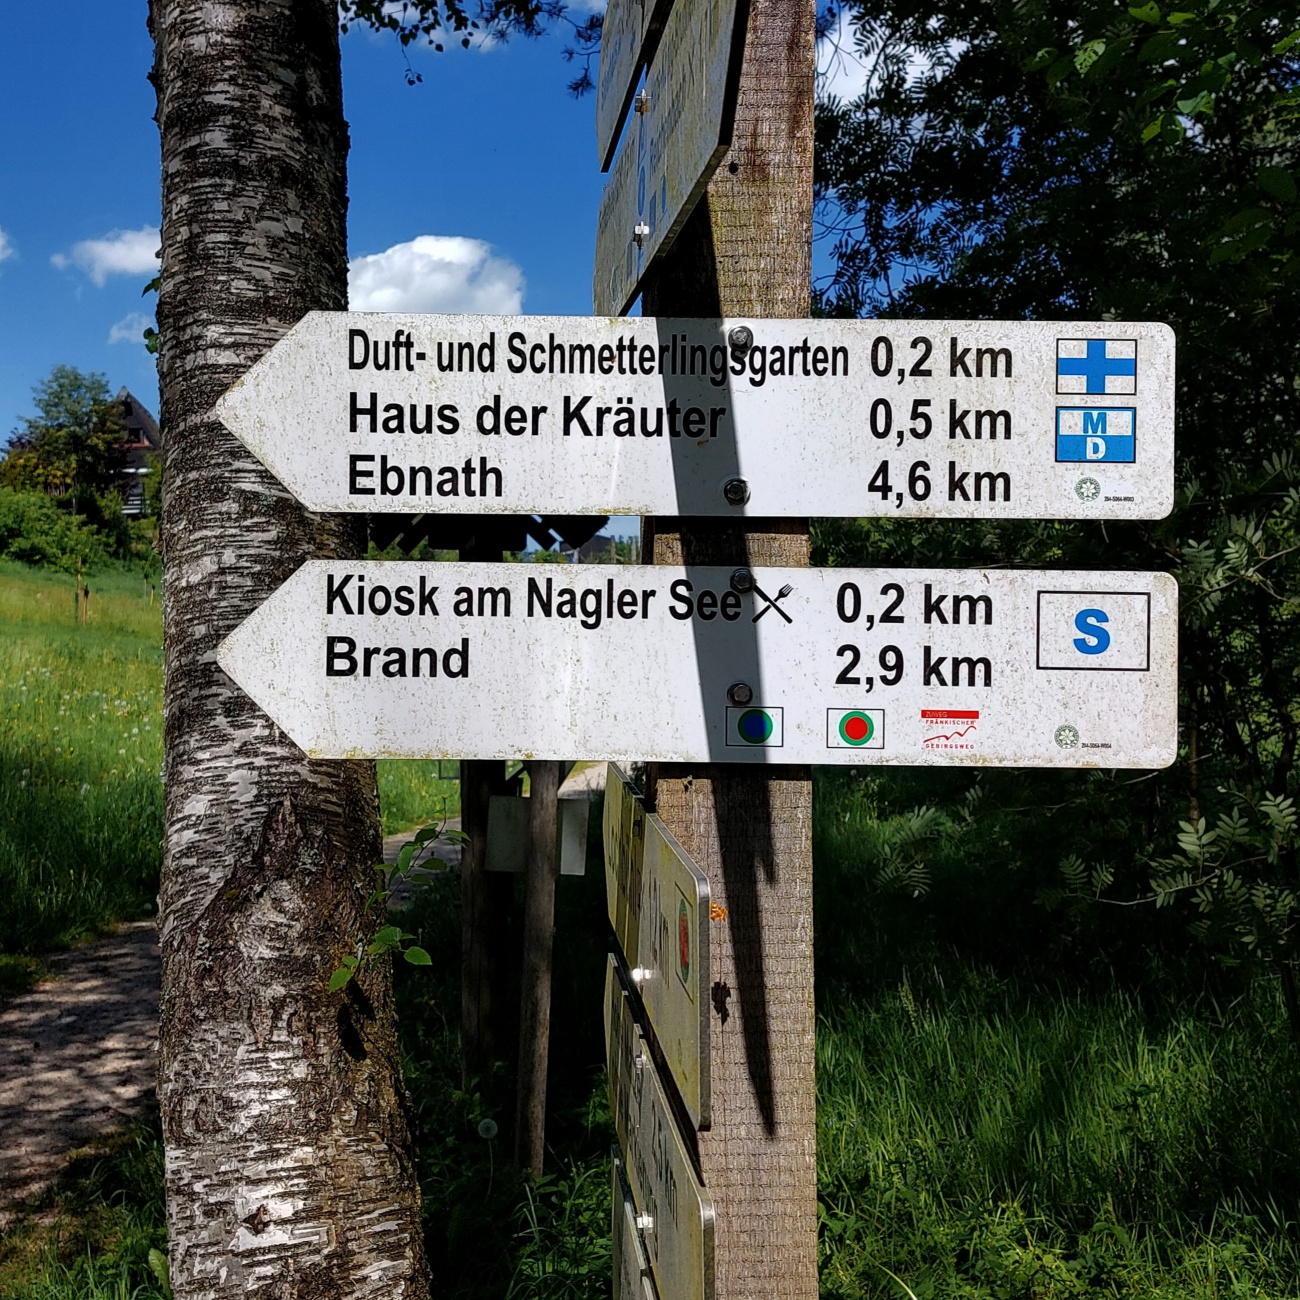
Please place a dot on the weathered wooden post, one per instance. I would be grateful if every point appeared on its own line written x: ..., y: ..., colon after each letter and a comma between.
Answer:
x: 747, y: 251
x: 535, y: 992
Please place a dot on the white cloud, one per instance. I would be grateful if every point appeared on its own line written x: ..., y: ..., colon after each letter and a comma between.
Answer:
x: 6, y: 246
x: 435, y: 273
x: 130, y: 329
x: 120, y: 252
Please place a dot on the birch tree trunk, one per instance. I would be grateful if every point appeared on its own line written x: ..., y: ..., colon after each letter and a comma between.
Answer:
x: 288, y: 1157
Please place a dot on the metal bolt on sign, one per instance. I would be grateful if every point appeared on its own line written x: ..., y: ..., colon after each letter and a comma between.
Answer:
x: 735, y: 491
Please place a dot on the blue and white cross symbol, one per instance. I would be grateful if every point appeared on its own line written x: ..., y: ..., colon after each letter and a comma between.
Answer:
x: 1096, y: 366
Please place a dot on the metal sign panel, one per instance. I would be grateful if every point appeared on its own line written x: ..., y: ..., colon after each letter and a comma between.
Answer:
x: 659, y: 908
x: 410, y: 659
x: 633, y: 1279
x: 582, y: 415
x: 684, y: 132
x: 677, y: 1212
x: 621, y: 46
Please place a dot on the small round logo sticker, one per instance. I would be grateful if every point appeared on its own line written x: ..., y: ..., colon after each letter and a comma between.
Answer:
x: 754, y: 726
x: 1087, y: 489
x: 856, y: 728
x: 1067, y: 737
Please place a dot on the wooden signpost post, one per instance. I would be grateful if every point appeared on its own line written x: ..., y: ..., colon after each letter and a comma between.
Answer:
x: 729, y: 667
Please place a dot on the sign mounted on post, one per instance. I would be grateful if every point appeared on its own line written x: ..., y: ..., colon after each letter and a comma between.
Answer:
x: 581, y: 415
x: 662, y: 664
x: 674, y: 148
x: 633, y: 1279
x: 676, y: 1211
x: 659, y: 908
x: 630, y: 31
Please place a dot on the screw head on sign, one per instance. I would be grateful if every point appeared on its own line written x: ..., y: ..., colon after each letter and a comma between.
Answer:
x: 735, y: 491
x: 640, y: 233
x: 742, y: 581
x: 740, y: 693
x: 741, y: 338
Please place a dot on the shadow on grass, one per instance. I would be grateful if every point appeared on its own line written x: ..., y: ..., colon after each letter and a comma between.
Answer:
x: 89, y: 1236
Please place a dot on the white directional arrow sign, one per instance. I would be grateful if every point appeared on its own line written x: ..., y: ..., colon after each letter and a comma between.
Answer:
x: 850, y: 666
x: 583, y: 415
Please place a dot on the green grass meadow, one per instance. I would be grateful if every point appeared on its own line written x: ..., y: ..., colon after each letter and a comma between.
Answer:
x: 80, y: 758
x: 993, y: 1124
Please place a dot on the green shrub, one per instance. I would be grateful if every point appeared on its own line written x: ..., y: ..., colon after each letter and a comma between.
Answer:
x: 34, y: 530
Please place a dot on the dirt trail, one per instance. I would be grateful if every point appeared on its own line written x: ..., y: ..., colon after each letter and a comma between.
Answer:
x: 77, y: 1051
x: 76, y: 1055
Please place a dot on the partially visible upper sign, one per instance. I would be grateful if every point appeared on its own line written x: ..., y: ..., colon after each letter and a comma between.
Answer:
x: 667, y: 161
x: 628, y: 36
x: 825, y: 418
x: 676, y: 1211
x: 621, y: 47
x: 659, y: 908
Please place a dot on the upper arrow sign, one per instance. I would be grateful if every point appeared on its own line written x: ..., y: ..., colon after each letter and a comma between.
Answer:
x: 673, y: 149
x: 628, y: 37
x: 588, y: 416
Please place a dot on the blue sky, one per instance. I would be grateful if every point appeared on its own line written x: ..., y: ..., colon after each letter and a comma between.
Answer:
x: 474, y: 190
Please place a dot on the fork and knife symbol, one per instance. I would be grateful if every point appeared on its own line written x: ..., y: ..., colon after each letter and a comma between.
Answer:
x: 771, y: 603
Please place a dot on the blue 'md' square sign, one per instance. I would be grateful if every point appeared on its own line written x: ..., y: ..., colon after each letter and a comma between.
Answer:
x: 1096, y: 434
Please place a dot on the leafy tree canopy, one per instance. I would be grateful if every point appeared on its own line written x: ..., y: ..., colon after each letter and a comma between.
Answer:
x: 74, y: 444
x: 1077, y: 158
x: 434, y: 22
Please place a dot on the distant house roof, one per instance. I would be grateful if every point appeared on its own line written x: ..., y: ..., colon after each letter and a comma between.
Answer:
x: 142, y: 441
x: 141, y: 427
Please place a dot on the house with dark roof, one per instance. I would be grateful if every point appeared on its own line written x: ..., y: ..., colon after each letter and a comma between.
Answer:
x: 142, y: 442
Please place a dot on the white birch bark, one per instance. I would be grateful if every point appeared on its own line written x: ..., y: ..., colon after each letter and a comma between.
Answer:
x: 288, y: 1156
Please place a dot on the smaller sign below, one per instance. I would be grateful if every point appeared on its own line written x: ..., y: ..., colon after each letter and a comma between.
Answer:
x: 676, y: 1213
x: 507, y: 835
x: 659, y: 908
x: 633, y: 1279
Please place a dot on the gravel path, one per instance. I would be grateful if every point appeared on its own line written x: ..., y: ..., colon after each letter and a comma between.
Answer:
x: 77, y: 1051
x: 78, y: 1055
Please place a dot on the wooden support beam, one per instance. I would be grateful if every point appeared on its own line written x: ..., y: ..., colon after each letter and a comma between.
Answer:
x: 535, y: 994
x: 746, y: 251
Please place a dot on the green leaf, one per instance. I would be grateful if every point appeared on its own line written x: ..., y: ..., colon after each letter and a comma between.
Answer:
x: 339, y: 979
x: 1278, y: 182
x: 1085, y: 57
x: 417, y: 956
x: 1147, y: 13
x: 158, y: 1267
